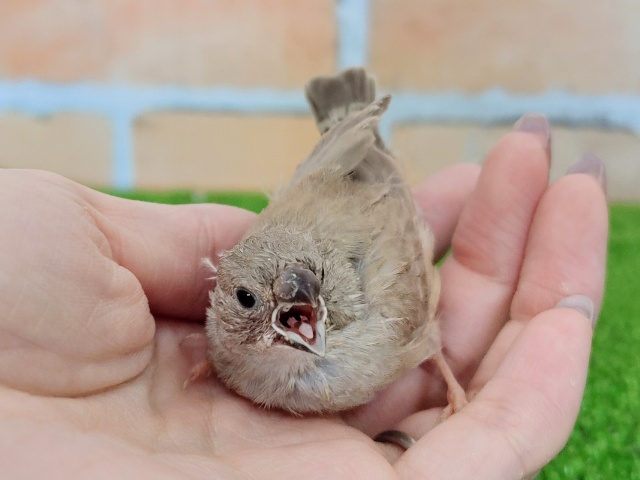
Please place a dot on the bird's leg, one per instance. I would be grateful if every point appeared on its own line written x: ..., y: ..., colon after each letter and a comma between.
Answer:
x: 195, y: 347
x: 455, y: 393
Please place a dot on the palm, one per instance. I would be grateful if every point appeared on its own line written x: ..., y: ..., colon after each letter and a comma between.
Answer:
x: 514, y: 256
x: 159, y: 427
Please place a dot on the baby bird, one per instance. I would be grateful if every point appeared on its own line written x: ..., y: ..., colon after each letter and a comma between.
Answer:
x: 331, y: 295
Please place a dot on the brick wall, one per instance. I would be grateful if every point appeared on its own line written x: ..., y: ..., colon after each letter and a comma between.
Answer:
x: 207, y: 94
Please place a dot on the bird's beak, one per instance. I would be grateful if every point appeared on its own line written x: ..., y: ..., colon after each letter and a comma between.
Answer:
x: 300, y: 313
x: 297, y: 284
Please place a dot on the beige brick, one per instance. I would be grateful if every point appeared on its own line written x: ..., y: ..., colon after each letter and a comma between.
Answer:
x: 53, y: 40
x: 425, y: 149
x: 619, y: 150
x: 220, y: 152
x: 195, y: 42
x: 76, y: 146
x: 519, y: 45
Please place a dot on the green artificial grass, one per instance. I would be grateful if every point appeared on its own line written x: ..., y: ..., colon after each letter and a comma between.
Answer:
x: 248, y: 200
x: 605, y: 444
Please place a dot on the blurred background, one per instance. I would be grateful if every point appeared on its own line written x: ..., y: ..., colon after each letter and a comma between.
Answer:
x: 191, y: 97
x: 208, y: 94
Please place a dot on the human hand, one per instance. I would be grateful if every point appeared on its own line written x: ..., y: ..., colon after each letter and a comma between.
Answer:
x: 93, y: 386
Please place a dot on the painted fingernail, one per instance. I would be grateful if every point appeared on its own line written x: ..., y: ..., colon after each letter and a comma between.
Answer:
x: 582, y: 304
x: 591, y: 165
x: 536, y: 124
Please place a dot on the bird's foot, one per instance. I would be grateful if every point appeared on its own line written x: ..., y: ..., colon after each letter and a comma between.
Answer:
x: 195, y: 347
x: 455, y: 393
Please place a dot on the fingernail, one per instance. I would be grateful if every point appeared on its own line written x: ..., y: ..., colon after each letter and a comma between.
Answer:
x: 591, y: 165
x: 582, y: 304
x: 536, y: 124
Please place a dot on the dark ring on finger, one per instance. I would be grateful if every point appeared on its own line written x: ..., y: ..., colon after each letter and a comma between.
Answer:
x: 403, y: 440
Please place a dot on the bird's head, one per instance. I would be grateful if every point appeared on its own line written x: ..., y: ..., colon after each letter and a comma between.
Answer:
x: 269, y: 294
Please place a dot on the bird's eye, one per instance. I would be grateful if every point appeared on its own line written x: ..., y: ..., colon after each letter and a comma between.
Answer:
x: 246, y: 298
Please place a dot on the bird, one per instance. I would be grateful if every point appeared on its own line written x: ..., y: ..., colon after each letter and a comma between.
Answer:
x: 331, y: 295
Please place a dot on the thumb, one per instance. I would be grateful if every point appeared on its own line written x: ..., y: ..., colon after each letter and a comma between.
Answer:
x: 164, y: 245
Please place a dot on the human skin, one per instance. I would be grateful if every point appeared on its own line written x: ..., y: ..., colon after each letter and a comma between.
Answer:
x: 98, y: 293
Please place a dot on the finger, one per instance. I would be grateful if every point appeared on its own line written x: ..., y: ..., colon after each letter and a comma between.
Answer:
x: 480, y: 275
x: 164, y: 245
x: 522, y: 417
x: 441, y: 198
x: 565, y: 254
x: 567, y: 249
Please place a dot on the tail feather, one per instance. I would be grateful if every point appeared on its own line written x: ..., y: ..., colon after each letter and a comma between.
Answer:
x: 333, y: 98
x: 345, y: 147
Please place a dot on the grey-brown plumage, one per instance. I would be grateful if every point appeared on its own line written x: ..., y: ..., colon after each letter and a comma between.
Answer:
x: 331, y: 295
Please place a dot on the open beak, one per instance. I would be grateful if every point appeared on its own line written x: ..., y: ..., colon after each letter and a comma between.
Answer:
x: 300, y: 314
